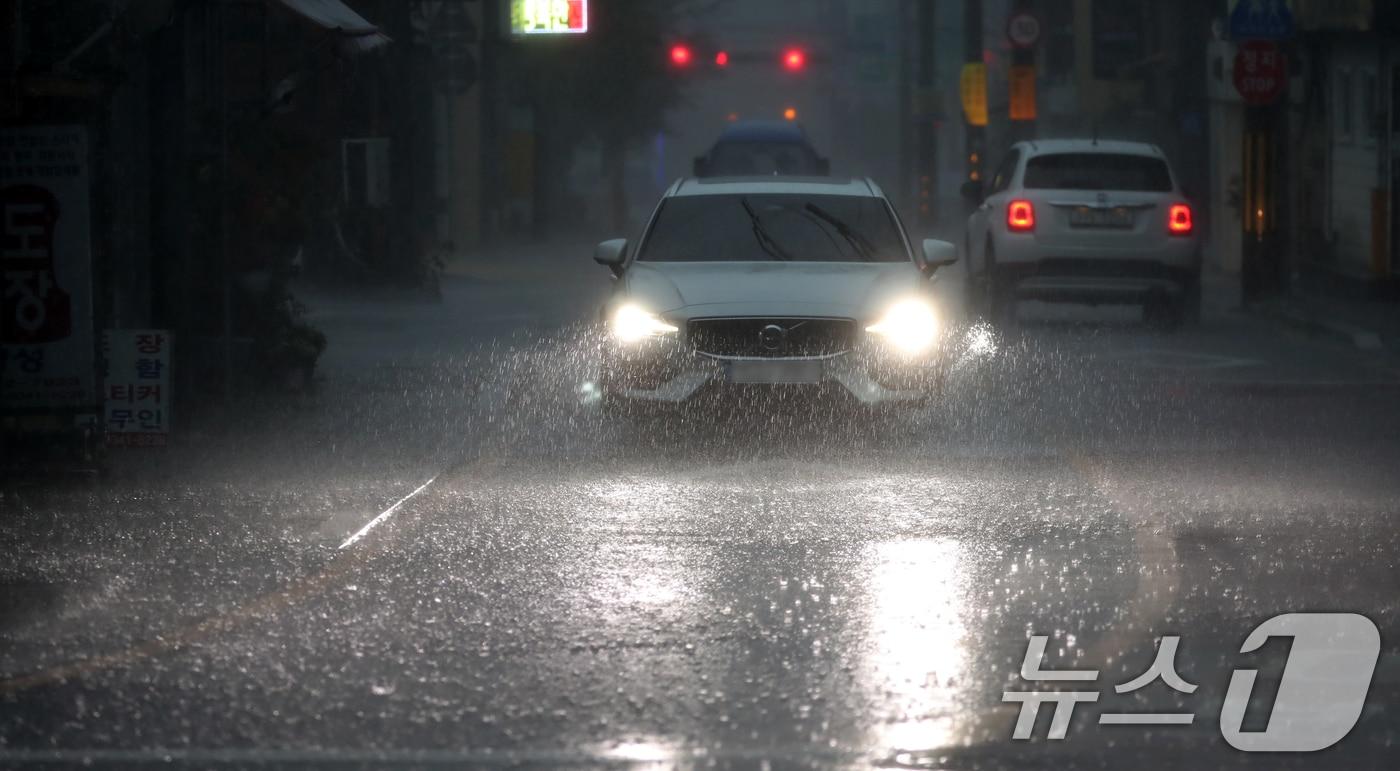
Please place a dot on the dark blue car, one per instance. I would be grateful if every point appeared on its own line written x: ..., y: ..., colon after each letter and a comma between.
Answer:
x: 750, y: 148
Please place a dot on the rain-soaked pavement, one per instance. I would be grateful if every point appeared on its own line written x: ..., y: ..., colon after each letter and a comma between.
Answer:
x: 448, y: 556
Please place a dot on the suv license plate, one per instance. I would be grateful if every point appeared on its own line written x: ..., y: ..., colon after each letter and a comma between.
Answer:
x: 1086, y: 217
x: 773, y: 372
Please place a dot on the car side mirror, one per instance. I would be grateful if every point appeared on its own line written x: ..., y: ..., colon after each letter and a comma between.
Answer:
x: 938, y: 254
x: 701, y: 166
x: 611, y: 254
x: 972, y: 191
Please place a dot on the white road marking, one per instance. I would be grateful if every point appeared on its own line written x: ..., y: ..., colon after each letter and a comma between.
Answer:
x: 385, y: 514
x: 493, y: 397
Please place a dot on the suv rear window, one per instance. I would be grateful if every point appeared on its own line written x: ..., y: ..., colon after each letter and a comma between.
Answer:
x: 1098, y: 171
x: 774, y: 227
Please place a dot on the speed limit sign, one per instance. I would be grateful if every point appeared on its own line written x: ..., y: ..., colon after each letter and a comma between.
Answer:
x: 1023, y: 29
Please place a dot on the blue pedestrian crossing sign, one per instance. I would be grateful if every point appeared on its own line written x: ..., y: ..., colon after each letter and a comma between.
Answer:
x: 1261, y: 20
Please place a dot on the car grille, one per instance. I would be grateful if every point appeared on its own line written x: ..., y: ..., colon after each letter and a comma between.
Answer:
x: 772, y: 337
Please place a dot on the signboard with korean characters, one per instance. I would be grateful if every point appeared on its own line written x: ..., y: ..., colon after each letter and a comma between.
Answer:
x: 46, y: 326
x: 136, y: 393
x: 548, y: 17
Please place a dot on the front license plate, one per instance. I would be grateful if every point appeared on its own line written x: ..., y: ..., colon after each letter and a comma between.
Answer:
x: 1087, y: 217
x: 773, y: 372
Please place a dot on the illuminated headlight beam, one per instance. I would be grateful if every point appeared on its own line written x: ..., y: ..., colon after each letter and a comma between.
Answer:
x: 911, y: 326
x: 631, y: 324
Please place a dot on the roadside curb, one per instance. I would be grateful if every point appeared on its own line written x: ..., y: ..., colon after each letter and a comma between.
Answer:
x: 1357, y: 337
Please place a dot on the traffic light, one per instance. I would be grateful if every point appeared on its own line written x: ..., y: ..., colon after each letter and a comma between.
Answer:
x: 794, y: 60
x: 681, y: 55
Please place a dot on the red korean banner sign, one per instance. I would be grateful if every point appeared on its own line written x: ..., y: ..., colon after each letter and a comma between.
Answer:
x: 46, y: 328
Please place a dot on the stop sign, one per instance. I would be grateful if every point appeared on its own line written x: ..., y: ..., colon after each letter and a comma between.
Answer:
x: 1261, y: 72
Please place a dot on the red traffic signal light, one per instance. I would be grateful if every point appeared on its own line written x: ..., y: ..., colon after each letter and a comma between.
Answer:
x: 794, y: 60
x: 681, y: 55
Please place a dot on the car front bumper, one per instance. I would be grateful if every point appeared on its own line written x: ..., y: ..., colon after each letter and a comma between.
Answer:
x: 868, y: 376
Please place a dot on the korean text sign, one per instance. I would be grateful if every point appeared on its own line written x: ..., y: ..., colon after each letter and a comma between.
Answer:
x: 136, y: 386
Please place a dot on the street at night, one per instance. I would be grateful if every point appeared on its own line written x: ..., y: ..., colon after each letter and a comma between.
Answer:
x: 700, y: 384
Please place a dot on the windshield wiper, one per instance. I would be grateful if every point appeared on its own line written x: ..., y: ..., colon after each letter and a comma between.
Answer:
x: 854, y: 237
x: 765, y: 239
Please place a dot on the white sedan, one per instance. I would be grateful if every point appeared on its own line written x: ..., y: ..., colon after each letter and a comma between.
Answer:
x: 1084, y: 221
x: 805, y: 285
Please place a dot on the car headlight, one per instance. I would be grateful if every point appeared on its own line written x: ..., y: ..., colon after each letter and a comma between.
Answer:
x: 631, y: 324
x: 911, y: 326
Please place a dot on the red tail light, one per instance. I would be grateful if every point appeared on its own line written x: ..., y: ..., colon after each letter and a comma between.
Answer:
x: 1179, y: 222
x: 1020, y: 217
x: 794, y: 59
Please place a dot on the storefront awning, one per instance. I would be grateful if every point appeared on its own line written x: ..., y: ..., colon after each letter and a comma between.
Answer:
x: 359, y: 35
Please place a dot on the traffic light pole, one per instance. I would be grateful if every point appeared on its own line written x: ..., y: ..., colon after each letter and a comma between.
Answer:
x: 972, y: 48
x: 1022, y: 129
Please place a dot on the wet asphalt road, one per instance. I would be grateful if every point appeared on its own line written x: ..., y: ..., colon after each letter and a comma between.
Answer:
x: 796, y: 586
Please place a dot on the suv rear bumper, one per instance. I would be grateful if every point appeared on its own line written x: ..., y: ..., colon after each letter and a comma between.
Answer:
x: 1098, y: 279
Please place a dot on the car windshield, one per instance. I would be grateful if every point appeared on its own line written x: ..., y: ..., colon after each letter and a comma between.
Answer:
x: 763, y: 227
x: 1097, y: 171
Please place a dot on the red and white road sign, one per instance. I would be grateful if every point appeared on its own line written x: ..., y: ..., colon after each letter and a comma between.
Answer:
x: 1261, y: 72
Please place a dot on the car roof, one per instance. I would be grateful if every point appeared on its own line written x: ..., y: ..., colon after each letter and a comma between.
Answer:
x: 1113, y: 146
x: 763, y: 131
x: 773, y: 184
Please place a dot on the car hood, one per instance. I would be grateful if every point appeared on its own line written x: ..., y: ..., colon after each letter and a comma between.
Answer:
x: 697, y: 289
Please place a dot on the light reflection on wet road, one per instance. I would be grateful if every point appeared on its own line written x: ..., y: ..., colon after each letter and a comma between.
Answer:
x: 816, y: 588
